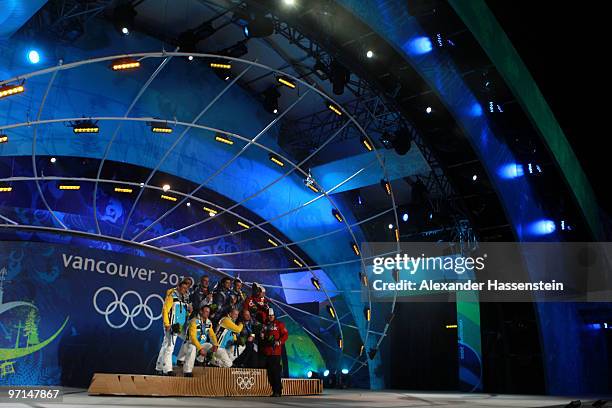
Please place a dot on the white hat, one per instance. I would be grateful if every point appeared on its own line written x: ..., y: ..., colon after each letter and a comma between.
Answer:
x: 270, y: 312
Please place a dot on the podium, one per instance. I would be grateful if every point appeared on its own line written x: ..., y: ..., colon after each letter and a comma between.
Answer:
x: 206, y: 382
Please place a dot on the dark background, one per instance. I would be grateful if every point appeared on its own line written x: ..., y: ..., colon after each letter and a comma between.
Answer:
x: 563, y: 44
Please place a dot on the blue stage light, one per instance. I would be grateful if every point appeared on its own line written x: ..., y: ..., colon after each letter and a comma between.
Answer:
x: 325, y: 373
x: 345, y: 371
x: 246, y: 31
x: 476, y: 110
x: 405, y: 217
x: 309, y: 374
x: 542, y: 227
x: 33, y: 57
x: 511, y: 171
x: 418, y: 46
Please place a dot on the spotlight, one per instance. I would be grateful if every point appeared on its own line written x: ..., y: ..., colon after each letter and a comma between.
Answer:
x: 340, y: 343
x: 475, y: 177
x: 367, y: 313
x: 123, y: 18
x: 355, y: 248
x: 283, y: 80
x: 386, y: 186
x: 366, y: 143
x: 33, y: 57
x: 390, y: 226
x: 67, y: 187
x: 273, y: 243
x: 401, y: 141
x: 53, y: 160
x: 339, y: 77
x: 158, y: 127
x: 85, y: 126
x: 210, y: 211
x: 298, y: 263
x: 337, y: 215
x: 363, y: 278
x: 259, y: 26
x: 313, y: 374
x: 405, y: 217
x: 169, y: 198
x: 271, y: 96
x: 361, y: 349
x: 188, y: 204
x: 125, y: 64
x: 221, y: 65
x: 3, y: 139
x: 315, y: 282
x: 334, y: 108
x: 325, y: 373
x: 276, y: 160
x: 8, y: 90
x: 331, y: 311
x: 320, y: 70
x: 223, y: 139
x: 166, y: 187
x: 345, y: 379
x: 6, y: 189
x: 123, y: 190
x: 370, y: 54
x: 187, y: 42
x: 428, y: 110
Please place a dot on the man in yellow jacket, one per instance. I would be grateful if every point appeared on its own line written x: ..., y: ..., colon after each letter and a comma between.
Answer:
x: 174, y: 315
x: 227, y: 333
x: 200, y: 340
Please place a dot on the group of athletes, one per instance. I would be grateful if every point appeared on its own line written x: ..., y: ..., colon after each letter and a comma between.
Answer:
x: 221, y: 327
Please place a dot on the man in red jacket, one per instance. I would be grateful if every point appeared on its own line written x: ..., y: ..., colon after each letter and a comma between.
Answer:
x: 273, y: 336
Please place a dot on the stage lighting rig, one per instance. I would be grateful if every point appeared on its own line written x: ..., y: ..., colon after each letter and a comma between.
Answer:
x: 6, y: 189
x: 334, y: 108
x: 123, y: 18
x: 367, y: 312
x: 355, y: 248
x: 310, y: 182
x: 315, y: 282
x: 8, y: 90
x: 298, y: 263
x: 160, y: 127
x: 366, y: 143
x: 3, y: 139
x: 331, y: 311
x: 125, y: 64
x: 223, y: 139
x: 270, y: 100
x: 85, y: 126
x: 276, y: 160
x: 340, y: 343
x: 283, y: 80
x: 123, y: 190
x: 211, y: 212
x: 224, y: 65
x: 258, y: 26
x: 337, y: 215
x: 187, y: 42
x: 339, y: 77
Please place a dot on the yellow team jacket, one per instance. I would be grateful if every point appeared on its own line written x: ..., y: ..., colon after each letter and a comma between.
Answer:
x: 167, y: 307
x: 193, y: 334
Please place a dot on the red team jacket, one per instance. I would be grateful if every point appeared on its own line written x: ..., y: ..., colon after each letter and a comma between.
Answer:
x: 258, y: 306
x: 278, y: 331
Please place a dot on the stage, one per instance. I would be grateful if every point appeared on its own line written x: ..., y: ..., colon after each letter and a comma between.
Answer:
x: 335, y: 398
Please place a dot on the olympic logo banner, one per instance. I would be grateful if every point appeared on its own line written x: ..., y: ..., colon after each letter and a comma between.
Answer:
x: 68, y: 311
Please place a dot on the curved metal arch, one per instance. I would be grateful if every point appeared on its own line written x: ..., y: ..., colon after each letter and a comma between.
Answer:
x: 203, y: 55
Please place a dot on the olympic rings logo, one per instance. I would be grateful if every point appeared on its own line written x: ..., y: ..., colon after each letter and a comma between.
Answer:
x: 245, y: 383
x: 124, y: 309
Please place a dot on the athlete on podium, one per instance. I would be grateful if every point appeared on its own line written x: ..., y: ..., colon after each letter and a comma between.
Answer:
x: 201, y: 339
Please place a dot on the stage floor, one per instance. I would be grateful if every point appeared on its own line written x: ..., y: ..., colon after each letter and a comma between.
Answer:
x: 330, y: 398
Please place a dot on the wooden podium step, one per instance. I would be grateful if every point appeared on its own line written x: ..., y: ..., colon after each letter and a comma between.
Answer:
x: 206, y: 382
